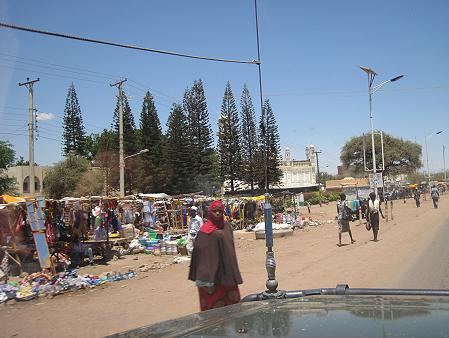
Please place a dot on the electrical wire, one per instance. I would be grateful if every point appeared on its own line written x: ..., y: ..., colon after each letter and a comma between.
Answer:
x: 53, y: 68
x: 91, y: 73
x: 50, y: 74
x: 114, y: 44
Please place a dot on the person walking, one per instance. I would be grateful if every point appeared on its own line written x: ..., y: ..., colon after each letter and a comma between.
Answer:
x: 214, y: 267
x: 301, y: 199
x: 344, y: 216
x: 417, y: 197
x: 373, y: 214
x: 195, y: 222
x: 435, y: 194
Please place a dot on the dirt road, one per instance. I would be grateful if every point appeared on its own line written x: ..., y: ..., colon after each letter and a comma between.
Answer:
x: 308, y: 259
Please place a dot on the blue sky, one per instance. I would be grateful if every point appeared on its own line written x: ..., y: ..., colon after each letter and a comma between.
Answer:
x: 310, y: 51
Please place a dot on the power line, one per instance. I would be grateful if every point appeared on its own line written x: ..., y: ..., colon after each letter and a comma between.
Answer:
x: 53, y: 68
x: 87, y: 72
x: 114, y: 44
x: 100, y: 74
x: 50, y: 74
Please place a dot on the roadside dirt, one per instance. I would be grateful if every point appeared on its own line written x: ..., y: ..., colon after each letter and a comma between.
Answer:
x: 308, y: 259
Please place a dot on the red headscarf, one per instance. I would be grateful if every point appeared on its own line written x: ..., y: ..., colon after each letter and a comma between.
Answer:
x: 214, y: 223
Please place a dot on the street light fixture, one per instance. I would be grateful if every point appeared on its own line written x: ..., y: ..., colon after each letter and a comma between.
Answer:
x: 371, y: 90
x: 427, y: 153
x: 122, y: 177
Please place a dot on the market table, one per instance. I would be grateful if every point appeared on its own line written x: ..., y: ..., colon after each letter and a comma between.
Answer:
x: 105, y: 246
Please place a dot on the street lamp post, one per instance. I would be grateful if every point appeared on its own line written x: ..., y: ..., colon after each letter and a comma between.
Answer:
x: 270, y: 262
x: 427, y: 154
x: 444, y: 163
x: 371, y: 90
x: 122, y: 177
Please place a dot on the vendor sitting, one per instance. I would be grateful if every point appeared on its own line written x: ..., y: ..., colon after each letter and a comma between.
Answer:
x: 79, y: 251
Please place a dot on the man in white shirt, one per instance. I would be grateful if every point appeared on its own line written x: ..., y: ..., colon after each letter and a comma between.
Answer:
x: 195, y: 222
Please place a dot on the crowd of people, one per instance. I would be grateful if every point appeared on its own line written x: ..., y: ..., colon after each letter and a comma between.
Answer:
x: 214, y: 267
x: 373, y: 212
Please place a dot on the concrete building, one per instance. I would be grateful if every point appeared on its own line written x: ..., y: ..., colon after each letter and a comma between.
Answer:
x: 22, y: 176
x: 298, y: 173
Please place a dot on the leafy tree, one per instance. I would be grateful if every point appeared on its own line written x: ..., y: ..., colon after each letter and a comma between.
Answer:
x: 7, y: 154
x: 249, y: 137
x: 21, y: 162
x: 62, y: 179
x: 151, y: 173
x: 229, y: 139
x: 90, y: 183
x: 401, y: 156
x: 74, y: 134
x: 417, y: 177
x: 200, y: 133
x: 269, y: 148
x: 103, y: 152
x: 180, y: 178
x: 324, y: 176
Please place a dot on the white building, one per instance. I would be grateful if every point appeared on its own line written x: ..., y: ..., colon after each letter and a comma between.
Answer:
x: 298, y: 173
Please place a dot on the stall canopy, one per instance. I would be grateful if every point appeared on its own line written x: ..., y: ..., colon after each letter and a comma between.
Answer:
x: 5, y: 199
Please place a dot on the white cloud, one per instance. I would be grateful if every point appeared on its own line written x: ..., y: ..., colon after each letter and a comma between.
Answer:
x: 45, y: 116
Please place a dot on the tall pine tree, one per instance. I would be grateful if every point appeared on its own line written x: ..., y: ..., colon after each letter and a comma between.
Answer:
x: 74, y: 135
x: 151, y: 172
x: 229, y: 139
x: 249, y: 138
x: 178, y: 153
x: 269, y: 148
x: 200, y: 134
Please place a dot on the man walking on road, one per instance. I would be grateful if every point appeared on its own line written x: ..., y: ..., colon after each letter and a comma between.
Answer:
x: 435, y: 196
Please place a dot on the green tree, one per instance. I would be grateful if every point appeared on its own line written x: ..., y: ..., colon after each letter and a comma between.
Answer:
x: 21, y: 162
x: 401, y: 156
x: 249, y: 137
x: 180, y: 178
x: 200, y: 133
x: 74, y: 135
x: 269, y: 148
x: 103, y: 152
x: 63, y: 178
x: 151, y: 176
x: 229, y: 139
x: 7, y: 154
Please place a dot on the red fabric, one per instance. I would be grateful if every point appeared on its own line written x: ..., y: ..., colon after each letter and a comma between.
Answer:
x: 213, y: 223
x: 223, y: 296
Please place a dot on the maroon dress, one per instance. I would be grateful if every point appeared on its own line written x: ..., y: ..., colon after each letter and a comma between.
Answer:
x: 214, y: 262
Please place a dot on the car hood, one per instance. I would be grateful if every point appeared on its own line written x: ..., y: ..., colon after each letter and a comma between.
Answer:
x: 314, y: 316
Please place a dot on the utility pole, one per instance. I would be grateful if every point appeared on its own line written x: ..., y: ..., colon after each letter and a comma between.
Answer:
x: 29, y: 85
x: 119, y: 84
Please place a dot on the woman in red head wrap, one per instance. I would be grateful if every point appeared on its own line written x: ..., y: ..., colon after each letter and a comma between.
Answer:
x: 214, y: 266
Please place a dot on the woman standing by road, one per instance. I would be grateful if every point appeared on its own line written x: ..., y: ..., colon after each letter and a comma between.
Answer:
x: 373, y: 214
x: 214, y: 266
